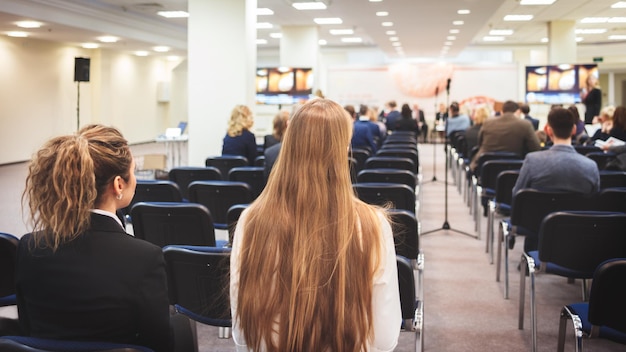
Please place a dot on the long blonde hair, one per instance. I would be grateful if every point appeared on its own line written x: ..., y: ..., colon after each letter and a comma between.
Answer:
x: 66, y: 179
x: 311, y: 247
x: 240, y: 119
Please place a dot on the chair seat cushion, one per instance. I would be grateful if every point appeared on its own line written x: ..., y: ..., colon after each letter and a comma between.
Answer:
x: 559, y: 270
x: 582, y: 310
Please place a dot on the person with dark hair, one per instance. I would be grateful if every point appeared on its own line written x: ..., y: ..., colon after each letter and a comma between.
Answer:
x: 364, y: 119
x: 79, y: 275
x: 619, y: 124
x: 362, y: 136
x: 392, y: 115
x: 456, y: 121
x: 525, y: 109
x: 406, y: 122
x: 580, y: 124
x: 279, y: 124
x: 506, y: 133
x: 560, y: 168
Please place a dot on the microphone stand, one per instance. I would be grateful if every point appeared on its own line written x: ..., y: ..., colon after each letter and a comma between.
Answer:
x: 434, y: 179
x: 446, y: 224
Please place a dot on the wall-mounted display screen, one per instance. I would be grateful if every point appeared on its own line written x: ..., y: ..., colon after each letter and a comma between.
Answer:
x: 283, y: 85
x: 557, y: 84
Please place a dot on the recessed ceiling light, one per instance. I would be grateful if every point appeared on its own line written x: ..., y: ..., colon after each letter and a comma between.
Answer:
x: 28, y: 24
x: 463, y: 12
x: 451, y: 37
x: 490, y: 38
x: 352, y: 40
x: 545, y: 40
x: 394, y: 39
x: 161, y: 49
x: 172, y: 58
x: 617, y: 37
x: 458, y: 23
x: 141, y: 53
x: 619, y: 5
x: 579, y: 39
x: 173, y: 14
x: 17, y: 34
x: 387, y: 24
x: 501, y: 32
x: 108, y: 39
x: 322, y: 42
x: 309, y: 5
x: 382, y: 13
x: 594, y: 20
x: 390, y: 32
x: 376, y: 0
x: 276, y: 35
x: 341, y: 31
x: 328, y: 20
x: 591, y: 30
x: 396, y: 44
x: 617, y: 20
x: 90, y: 45
x: 447, y: 43
x: 454, y: 31
x: 264, y: 11
x: 518, y: 17
x: 264, y: 25
x: 537, y: 2
x: 261, y: 41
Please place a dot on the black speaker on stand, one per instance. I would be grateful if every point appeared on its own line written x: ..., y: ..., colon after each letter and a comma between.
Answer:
x: 446, y: 224
x: 81, y: 74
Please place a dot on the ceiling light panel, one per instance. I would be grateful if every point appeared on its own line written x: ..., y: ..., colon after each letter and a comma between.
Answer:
x: 591, y: 30
x: 500, y: 32
x: 518, y: 17
x: 382, y: 13
x: 328, y: 20
x: 458, y: 23
x: 619, y: 5
x: 617, y: 37
x: 264, y: 25
x: 173, y: 14
x: 387, y: 24
x: 352, y: 40
x: 264, y: 11
x: 341, y: 31
x: 463, y: 12
x: 29, y: 24
x: 108, y: 39
x: 312, y: 5
x: 17, y: 34
x: 537, y: 2
x: 594, y: 20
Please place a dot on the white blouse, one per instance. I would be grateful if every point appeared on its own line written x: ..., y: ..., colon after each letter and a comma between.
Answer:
x: 385, y: 299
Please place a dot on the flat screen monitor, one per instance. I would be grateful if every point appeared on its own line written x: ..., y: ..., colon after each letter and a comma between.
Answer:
x: 283, y: 85
x: 557, y: 84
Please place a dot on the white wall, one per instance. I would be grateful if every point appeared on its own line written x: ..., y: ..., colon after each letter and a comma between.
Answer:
x: 38, y: 95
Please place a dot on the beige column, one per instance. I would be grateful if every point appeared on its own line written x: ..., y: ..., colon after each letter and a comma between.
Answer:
x: 562, y: 44
x: 221, y: 70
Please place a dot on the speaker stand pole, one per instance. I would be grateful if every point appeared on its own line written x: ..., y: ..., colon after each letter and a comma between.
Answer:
x: 446, y: 225
x: 78, y: 106
x: 434, y: 179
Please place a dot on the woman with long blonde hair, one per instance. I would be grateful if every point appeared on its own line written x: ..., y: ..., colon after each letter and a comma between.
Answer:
x: 239, y: 140
x: 313, y: 268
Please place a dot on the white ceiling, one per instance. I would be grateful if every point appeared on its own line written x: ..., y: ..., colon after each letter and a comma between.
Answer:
x: 422, y: 26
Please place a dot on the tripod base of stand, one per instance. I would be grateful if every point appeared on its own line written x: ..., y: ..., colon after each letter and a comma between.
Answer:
x: 446, y: 227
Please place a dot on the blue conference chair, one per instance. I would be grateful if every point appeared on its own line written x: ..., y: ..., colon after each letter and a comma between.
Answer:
x: 8, y: 250
x: 35, y: 344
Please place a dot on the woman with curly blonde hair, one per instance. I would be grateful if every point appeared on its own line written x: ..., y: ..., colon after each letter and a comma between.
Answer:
x: 239, y: 140
x: 313, y: 268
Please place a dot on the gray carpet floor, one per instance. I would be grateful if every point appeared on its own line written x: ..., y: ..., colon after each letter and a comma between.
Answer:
x: 464, y: 305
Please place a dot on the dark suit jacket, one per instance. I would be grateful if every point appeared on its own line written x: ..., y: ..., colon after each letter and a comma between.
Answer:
x: 506, y: 133
x: 105, y: 285
x: 593, y: 104
x: 271, y: 154
x: 533, y: 120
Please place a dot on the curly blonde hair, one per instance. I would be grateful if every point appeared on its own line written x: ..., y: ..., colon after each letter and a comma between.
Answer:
x: 240, y: 119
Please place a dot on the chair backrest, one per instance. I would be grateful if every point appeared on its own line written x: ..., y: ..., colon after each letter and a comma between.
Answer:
x: 406, y: 146
x: 219, y: 196
x: 401, y: 153
x: 491, y: 169
x: 155, y: 191
x: 582, y: 240
x: 232, y: 216
x: 586, y: 149
x: 254, y: 176
x: 504, y: 186
x: 185, y: 175
x: 612, y: 179
x: 35, y: 344
x: 198, y: 284
x: 390, y: 162
x: 601, y: 158
x: 361, y: 156
x: 259, y: 160
x: 531, y: 206
x: 8, y: 250
x: 173, y: 223
x: 611, y: 199
x: 400, y: 196
x: 406, y: 283
x: 607, y: 306
x: 387, y: 176
x: 226, y: 162
x: 486, y: 156
x: 405, y: 233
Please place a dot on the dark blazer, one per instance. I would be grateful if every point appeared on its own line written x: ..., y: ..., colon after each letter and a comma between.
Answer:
x: 105, y: 285
x: 271, y: 154
x: 593, y: 104
x: 244, y: 145
x: 406, y: 124
x: 533, y: 120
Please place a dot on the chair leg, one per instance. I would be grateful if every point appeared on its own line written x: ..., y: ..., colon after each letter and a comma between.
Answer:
x: 506, y: 265
x: 223, y: 332
x: 489, y: 228
x: 522, y: 292
x: 585, y: 290
x: 566, y: 315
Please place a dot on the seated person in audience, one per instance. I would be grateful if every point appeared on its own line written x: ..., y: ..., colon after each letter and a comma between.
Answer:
x: 79, y: 275
x: 580, y: 135
x: 331, y: 283
x: 239, y: 140
x: 525, y: 110
x: 506, y: 133
x: 279, y: 125
x: 391, y: 115
x: 361, y: 134
x: 406, y: 122
x: 373, y: 116
x: 605, y: 119
x: 560, y: 168
x: 619, y: 124
x: 364, y: 119
x: 471, y: 133
x: 456, y: 121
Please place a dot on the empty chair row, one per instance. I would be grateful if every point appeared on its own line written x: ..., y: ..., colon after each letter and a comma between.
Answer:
x: 252, y: 175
